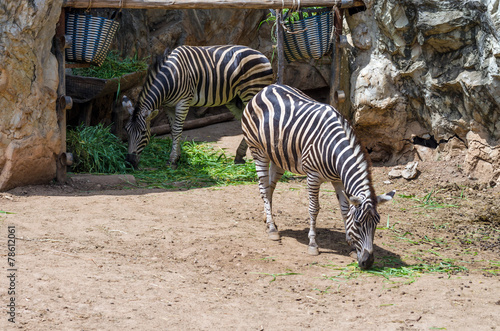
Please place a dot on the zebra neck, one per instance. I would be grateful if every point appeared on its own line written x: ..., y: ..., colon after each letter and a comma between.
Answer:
x: 161, y: 86
x: 352, y: 165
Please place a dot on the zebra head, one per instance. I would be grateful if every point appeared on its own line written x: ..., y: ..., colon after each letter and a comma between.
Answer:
x: 361, y: 222
x: 138, y: 130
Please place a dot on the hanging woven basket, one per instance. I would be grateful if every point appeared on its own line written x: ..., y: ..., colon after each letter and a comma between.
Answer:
x: 309, y: 37
x: 92, y: 37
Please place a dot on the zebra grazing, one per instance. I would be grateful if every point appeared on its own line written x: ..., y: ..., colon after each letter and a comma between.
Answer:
x: 287, y: 130
x: 195, y: 76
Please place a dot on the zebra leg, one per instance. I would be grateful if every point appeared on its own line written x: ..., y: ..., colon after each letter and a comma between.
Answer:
x: 176, y: 123
x: 275, y: 174
x: 344, y: 209
x: 242, y: 148
x: 313, y: 185
x: 262, y: 167
x: 241, y: 152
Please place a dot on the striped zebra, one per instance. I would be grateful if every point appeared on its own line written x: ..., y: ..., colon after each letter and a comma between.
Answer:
x: 200, y: 77
x: 287, y: 130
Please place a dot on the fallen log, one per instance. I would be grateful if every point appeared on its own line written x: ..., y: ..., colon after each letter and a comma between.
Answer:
x: 193, y: 124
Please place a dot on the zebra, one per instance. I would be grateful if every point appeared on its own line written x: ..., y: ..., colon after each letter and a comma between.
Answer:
x: 200, y: 76
x: 287, y: 130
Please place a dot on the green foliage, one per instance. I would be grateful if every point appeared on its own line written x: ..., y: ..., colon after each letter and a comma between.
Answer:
x: 494, y: 268
x: 113, y: 67
x: 290, y: 17
x: 429, y: 201
x: 199, y: 165
x: 391, y: 268
x: 96, y: 150
x: 274, y: 276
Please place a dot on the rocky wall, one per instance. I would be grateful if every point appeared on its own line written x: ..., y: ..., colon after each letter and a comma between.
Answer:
x: 29, y: 135
x: 426, y: 73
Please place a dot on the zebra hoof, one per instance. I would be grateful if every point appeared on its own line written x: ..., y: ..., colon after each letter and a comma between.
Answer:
x: 239, y: 161
x: 274, y: 235
x: 311, y: 250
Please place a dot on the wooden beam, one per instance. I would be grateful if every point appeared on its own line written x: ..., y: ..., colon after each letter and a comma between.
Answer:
x: 194, y: 124
x: 209, y: 4
x: 280, y: 75
x: 336, y: 60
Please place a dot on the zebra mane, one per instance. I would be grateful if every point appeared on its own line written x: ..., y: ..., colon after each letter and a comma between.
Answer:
x: 153, y: 70
x: 361, y: 155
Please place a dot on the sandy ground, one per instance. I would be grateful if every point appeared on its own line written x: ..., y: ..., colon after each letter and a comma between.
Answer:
x: 91, y: 258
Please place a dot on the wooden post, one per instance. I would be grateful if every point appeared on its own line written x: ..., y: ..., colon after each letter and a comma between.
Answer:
x: 280, y: 75
x: 63, y: 102
x: 336, y: 54
x: 85, y: 114
x: 61, y: 91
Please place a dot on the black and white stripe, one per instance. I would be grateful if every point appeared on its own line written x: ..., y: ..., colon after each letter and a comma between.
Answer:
x: 199, y: 77
x: 287, y: 130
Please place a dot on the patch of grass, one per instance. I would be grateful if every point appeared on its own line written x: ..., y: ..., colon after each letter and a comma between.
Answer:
x: 200, y: 165
x: 494, y: 268
x: 96, y: 150
x: 5, y: 212
x: 113, y: 67
x: 325, y: 291
x: 392, y: 268
x: 269, y: 259
x: 429, y: 201
x: 278, y: 275
x: 388, y: 226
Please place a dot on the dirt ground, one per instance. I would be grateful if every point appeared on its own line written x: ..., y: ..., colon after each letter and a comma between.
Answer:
x: 92, y: 257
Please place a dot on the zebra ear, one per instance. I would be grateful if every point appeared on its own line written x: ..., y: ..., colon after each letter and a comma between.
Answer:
x: 386, y: 197
x: 353, y: 199
x: 127, y: 104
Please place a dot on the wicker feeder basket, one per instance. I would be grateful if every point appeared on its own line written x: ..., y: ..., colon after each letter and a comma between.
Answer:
x: 309, y: 37
x: 92, y: 37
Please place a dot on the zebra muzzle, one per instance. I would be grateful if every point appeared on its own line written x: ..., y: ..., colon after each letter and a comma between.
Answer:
x: 365, y: 259
x: 133, y: 159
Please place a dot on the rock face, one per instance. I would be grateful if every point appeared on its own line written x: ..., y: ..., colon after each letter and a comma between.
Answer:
x: 29, y: 134
x: 427, y: 72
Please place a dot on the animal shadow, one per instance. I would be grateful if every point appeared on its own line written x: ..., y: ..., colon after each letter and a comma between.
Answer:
x: 333, y: 242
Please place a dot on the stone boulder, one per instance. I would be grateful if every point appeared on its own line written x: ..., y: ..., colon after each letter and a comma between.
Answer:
x: 29, y: 134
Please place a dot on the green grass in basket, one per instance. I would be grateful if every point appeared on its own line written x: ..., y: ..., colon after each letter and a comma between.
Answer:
x: 113, y: 67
